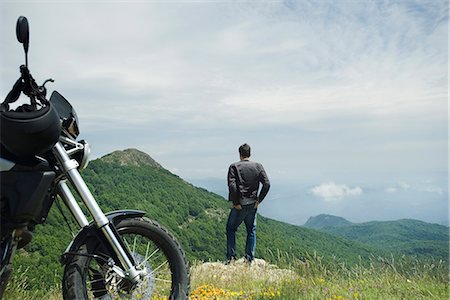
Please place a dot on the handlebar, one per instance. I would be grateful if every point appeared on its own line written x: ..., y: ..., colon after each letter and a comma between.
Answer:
x: 29, y: 87
x: 14, y: 94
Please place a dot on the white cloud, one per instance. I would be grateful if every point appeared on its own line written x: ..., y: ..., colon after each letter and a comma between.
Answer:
x: 403, y: 186
x: 433, y: 189
x: 400, y: 186
x: 331, y: 191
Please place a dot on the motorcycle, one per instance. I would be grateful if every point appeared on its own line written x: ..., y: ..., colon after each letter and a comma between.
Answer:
x: 117, y: 255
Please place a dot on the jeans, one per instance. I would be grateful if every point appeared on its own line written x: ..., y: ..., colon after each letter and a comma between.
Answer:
x: 248, y: 215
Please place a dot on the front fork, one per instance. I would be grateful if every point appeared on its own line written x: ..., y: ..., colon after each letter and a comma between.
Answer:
x: 69, y: 167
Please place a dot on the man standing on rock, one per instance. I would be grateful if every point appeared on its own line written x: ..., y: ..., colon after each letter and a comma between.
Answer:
x: 244, y: 177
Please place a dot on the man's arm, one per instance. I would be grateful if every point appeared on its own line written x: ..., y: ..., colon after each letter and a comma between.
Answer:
x: 264, y: 179
x: 232, y: 186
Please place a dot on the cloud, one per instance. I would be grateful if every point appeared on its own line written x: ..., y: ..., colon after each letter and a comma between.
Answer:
x: 290, y: 64
x: 347, y: 89
x: 403, y: 186
x: 433, y: 189
x: 400, y: 186
x: 331, y: 191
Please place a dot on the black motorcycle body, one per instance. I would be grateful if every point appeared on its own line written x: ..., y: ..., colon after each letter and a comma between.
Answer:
x: 120, y: 254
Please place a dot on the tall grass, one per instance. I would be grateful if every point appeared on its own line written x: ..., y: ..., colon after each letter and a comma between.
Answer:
x: 19, y: 287
x: 313, y: 277
x: 310, y: 277
x: 312, y: 265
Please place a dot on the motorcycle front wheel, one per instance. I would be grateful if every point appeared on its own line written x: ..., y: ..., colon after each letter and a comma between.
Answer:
x: 153, y: 248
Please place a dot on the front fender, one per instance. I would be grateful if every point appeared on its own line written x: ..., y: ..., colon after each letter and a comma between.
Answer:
x: 91, y: 230
x: 118, y: 215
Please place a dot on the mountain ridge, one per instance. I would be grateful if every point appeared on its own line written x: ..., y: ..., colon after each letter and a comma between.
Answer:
x: 311, y: 222
x: 130, y: 157
x: 325, y: 220
x: 404, y: 236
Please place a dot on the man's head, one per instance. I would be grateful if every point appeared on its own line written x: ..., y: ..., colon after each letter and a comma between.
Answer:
x: 244, y: 151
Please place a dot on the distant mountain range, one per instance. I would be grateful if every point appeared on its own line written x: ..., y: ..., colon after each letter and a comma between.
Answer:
x: 324, y: 221
x: 406, y: 236
x: 131, y: 179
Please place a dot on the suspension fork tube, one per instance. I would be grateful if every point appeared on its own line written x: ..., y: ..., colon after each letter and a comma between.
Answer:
x: 69, y: 166
x: 69, y: 200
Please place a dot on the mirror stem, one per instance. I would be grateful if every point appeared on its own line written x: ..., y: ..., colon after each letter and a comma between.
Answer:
x: 25, y: 47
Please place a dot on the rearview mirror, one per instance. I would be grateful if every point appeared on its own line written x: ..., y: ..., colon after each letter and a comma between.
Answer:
x: 22, y: 32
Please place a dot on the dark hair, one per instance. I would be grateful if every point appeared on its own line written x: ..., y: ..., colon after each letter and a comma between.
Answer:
x: 244, y: 150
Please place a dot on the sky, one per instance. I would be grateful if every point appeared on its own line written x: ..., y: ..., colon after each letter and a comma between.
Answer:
x: 345, y: 103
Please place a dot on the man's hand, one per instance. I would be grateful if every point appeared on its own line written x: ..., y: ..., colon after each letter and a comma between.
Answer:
x: 237, y: 206
x: 256, y: 204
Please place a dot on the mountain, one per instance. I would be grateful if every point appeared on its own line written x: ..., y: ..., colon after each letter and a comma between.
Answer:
x: 131, y: 157
x: 406, y: 236
x: 323, y: 221
x: 131, y: 179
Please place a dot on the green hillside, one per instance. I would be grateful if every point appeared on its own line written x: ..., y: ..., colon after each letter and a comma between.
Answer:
x: 406, y: 236
x: 132, y: 180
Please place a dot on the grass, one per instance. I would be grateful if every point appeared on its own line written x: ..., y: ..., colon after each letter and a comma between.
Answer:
x: 312, y: 278
x: 19, y: 288
x: 291, y: 278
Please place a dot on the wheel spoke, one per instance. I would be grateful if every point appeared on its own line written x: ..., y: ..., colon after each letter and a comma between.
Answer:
x: 146, y: 251
x: 95, y: 280
x: 163, y: 280
x: 147, y: 258
x: 126, y: 243
x: 163, y: 272
x: 134, y: 244
x: 156, y: 269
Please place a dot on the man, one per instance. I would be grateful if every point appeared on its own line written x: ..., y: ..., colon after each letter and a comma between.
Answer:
x: 243, y: 185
